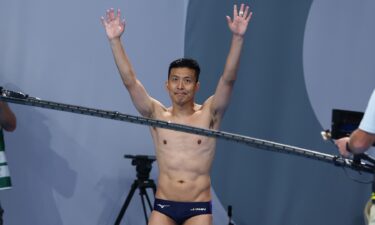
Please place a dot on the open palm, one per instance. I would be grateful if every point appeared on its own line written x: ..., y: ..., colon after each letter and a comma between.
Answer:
x: 241, y: 18
x: 113, y: 24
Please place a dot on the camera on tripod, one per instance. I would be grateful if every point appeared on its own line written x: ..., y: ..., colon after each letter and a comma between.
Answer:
x: 143, y: 165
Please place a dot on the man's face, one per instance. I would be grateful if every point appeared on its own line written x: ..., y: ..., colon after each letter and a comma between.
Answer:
x: 182, y: 85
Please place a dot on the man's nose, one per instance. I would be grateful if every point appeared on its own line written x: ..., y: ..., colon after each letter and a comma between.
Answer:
x: 180, y: 85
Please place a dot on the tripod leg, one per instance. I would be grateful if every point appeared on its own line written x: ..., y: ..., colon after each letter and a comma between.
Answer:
x: 126, y: 203
x: 148, y: 200
x: 153, y: 186
x: 1, y: 215
x: 142, y: 192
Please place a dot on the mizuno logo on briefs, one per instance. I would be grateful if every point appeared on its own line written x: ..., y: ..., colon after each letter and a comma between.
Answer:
x: 162, y: 206
x: 198, y: 209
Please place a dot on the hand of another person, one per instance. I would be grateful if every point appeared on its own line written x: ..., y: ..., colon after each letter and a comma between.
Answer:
x: 341, y: 145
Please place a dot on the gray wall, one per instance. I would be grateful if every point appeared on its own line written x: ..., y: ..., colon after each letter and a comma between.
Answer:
x: 277, y: 97
x: 68, y: 168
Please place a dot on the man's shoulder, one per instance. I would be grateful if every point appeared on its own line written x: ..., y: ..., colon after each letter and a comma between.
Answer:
x: 158, y: 106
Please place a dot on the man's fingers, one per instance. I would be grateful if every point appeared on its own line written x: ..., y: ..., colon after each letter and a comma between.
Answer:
x: 249, y: 17
x: 111, y: 15
x: 229, y: 20
x: 104, y: 22
x: 242, y: 9
x: 243, y: 12
x: 345, y: 154
x: 246, y: 12
x: 121, y: 21
x: 118, y: 14
x: 107, y: 15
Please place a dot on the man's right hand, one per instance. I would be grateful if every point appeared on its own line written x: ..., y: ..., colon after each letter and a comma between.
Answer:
x: 113, y: 24
x: 341, y: 145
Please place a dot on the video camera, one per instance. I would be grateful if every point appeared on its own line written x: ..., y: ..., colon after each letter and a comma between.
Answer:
x: 143, y: 164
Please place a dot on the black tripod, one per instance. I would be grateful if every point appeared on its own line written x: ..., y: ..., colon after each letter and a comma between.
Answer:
x: 143, y: 181
x: 230, y: 215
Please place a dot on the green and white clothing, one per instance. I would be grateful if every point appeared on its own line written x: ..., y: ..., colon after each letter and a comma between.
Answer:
x: 5, y: 182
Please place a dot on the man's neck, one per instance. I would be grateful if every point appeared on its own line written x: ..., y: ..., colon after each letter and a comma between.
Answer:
x: 183, y: 110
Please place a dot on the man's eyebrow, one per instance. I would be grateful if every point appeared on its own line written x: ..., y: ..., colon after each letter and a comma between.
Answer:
x: 183, y: 76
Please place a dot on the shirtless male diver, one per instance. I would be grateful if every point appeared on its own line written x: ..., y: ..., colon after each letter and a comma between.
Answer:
x: 183, y: 191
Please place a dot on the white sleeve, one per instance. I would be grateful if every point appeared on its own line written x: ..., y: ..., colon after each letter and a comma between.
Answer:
x: 368, y: 120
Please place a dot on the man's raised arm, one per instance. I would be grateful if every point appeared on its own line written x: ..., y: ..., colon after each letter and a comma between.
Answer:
x: 238, y: 25
x: 114, y: 28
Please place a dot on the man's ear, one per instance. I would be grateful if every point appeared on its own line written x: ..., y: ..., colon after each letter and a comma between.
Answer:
x: 166, y: 86
x: 197, y: 85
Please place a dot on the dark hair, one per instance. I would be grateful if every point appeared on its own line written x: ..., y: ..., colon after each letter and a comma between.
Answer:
x: 186, y: 62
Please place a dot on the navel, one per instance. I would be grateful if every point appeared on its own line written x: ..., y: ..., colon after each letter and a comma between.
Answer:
x: 164, y: 141
x: 199, y: 141
x: 181, y: 181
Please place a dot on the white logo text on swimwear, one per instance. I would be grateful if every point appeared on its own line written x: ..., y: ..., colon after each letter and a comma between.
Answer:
x: 198, y: 209
x: 162, y: 206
